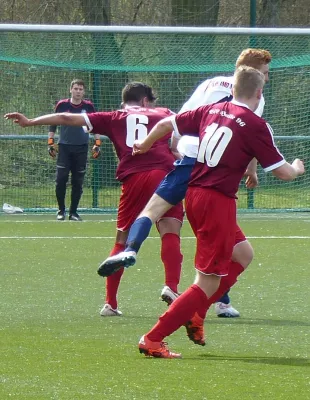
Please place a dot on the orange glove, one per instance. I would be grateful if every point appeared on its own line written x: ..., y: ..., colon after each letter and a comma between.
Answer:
x: 96, y: 148
x: 51, y: 147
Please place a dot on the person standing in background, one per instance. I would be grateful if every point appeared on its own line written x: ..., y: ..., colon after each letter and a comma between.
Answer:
x: 72, y: 151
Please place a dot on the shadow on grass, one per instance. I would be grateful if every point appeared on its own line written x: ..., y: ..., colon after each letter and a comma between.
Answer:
x: 229, y: 321
x: 291, y: 361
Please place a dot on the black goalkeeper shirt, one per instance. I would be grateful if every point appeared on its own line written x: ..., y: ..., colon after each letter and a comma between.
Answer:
x: 73, y: 135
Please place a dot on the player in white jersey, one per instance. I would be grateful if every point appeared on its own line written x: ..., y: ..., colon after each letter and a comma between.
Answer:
x: 173, y: 188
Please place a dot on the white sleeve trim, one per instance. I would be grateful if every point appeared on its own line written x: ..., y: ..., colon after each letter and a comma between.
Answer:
x: 88, y: 126
x: 176, y: 133
x: 274, y: 166
x: 277, y: 165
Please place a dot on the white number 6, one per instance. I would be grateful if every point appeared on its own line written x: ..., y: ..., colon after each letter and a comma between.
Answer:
x: 136, y: 129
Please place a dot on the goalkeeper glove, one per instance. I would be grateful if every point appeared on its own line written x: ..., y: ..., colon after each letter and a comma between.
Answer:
x: 96, y: 148
x: 51, y: 147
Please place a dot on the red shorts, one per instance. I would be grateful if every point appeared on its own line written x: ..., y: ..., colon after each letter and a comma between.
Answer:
x: 212, y: 216
x: 240, y: 237
x: 137, y: 189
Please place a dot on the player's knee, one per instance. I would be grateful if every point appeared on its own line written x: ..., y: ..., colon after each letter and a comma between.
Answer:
x: 78, y: 179
x: 155, y: 208
x: 169, y: 225
x: 243, y: 254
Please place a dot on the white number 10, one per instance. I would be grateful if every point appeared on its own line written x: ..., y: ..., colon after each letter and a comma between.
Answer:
x: 214, y: 144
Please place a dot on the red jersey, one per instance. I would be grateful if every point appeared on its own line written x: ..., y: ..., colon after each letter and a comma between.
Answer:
x: 230, y: 136
x: 125, y: 126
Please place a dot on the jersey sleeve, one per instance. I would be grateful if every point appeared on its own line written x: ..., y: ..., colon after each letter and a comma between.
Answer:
x: 265, y: 149
x: 187, y: 123
x: 99, y: 122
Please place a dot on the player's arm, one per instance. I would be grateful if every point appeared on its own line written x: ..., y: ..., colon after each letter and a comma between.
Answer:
x: 179, y: 124
x: 270, y: 157
x: 49, y: 119
x: 174, y: 147
x: 161, y: 129
x: 96, y: 149
x: 251, y: 175
x: 288, y: 172
x: 51, y: 147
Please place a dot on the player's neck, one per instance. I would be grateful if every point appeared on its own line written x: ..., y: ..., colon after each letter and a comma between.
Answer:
x: 250, y: 103
x: 75, y: 102
x: 131, y: 105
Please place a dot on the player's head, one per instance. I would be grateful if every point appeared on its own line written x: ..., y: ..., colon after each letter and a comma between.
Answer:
x: 248, y: 85
x: 77, y: 90
x: 256, y: 58
x: 138, y: 93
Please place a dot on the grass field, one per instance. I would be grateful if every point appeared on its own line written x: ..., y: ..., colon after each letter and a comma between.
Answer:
x: 54, y: 344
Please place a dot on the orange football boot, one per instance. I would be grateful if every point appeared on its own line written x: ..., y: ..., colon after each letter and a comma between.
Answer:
x: 156, y: 349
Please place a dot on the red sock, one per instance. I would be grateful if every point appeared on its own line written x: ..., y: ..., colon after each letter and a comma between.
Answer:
x: 235, y: 269
x: 180, y: 311
x: 113, y: 281
x: 172, y: 259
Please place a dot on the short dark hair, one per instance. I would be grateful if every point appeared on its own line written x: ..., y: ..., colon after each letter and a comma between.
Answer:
x: 79, y: 82
x: 136, y: 91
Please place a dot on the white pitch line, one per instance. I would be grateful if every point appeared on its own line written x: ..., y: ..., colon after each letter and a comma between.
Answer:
x: 150, y: 237
x: 23, y: 221
x: 243, y: 218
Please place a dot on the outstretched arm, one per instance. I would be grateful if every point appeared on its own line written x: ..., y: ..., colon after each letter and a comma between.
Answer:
x: 49, y: 119
x: 288, y: 172
x: 159, y: 131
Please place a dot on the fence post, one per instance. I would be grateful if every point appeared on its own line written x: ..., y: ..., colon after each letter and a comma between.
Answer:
x: 252, y: 13
x: 250, y: 198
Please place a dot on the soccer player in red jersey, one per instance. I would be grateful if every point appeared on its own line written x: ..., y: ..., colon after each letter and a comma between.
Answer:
x: 173, y: 188
x: 230, y: 136
x: 139, y: 176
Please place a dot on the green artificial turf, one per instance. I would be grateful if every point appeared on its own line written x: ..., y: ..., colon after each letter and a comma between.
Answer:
x: 54, y: 344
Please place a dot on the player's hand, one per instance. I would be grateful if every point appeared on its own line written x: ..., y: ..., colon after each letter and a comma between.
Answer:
x: 51, y: 147
x: 18, y: 118
x: 251, y: 181
x: 96, y: 149
x: 299, y: 166
x: 139, y: 147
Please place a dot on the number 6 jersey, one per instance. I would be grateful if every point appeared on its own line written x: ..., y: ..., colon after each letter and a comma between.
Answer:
x: 125, y: 126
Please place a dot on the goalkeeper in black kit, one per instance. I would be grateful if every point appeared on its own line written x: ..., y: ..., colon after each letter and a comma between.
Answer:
x: 72, y: 151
